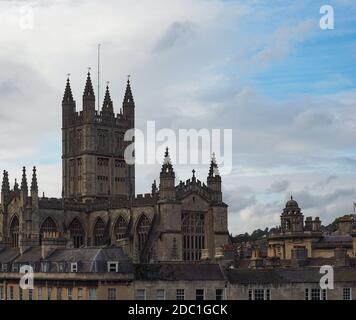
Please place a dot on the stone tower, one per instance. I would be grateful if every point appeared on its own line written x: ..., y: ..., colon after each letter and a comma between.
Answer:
x: 292, y: 219
x: 93, y: 146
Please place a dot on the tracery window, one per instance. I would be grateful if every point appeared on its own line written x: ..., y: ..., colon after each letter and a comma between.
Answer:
x: 14, y: 232
x: 142, y: 229
x: 193, y: 235
x: 76, y: 233
x: 99, y: 233
x: 120, y: 228
x: 48, y: 227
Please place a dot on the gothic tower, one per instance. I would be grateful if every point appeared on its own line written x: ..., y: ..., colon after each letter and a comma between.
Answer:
x: 93, y: 146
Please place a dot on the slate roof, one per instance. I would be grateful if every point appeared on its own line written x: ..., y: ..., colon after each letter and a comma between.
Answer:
x: 31, y: 255
x: 333, y: 241
x: 89, y: 259
x: 8, y: 254
x: 286, y: 275
x: 176, y: 271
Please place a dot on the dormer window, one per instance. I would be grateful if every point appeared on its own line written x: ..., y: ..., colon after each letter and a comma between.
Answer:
x: 113, y: 266
x: 61, y: 267
x: 44, y: 266
x: 74, y: 267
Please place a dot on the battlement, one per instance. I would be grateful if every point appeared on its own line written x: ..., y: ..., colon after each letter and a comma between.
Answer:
x: 144, y: 199
x: 113, y: 120
x: 193, y: 185
x: 88, y: 206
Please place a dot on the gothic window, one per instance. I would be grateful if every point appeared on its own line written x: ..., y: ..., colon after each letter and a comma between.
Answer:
x: 99, y: 233
x: 71, y: 175
x: 120, y: 228
x: 71, y: 141
x: 80, y: 169
x: 103, y: 140
x: 142, y: 229
x: 103, y: 174
x: 193, y: 235
x: 14, y: 232
x: 120, y: 173
x: 79, y: 140
x: 76, y: 233
x: 48, y: 227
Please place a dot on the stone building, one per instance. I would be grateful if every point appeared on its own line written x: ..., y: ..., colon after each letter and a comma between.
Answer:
x: 304, y: 239
x: 99, y: 207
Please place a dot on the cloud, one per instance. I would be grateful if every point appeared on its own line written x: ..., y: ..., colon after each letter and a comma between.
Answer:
x: 279, y: 186
x: 177, y: 33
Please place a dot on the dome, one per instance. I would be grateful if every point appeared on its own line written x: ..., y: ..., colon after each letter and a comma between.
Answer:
x: 292, y: 203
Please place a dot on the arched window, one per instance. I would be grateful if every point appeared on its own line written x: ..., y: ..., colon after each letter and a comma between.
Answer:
x: 142, y: 229
x: 14, y: 232
x: 99, y: 233
x: 48, y: 227
x: 76, y: 233
x: 193, y: 235
x: 120, y: 228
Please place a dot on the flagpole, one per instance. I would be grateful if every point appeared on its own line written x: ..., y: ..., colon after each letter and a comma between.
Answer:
x: 99, y: 77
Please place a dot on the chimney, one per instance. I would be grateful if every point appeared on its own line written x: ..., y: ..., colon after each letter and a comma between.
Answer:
x: 50, y: 242
x: 345, y: 225
x: 341, y: 257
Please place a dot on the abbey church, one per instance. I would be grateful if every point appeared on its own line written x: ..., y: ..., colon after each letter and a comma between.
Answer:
x: 99, y: 207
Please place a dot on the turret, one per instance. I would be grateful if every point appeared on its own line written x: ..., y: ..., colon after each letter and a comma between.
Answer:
x: 5, y: 189
x: 292, y: 219
x: 108, y: 109
x: 88, y: 99
x: 68, y: 105
x: 24, y: 187
x: 34, y: 189
x: 214, y: 180
x: 16, y: 187
x: 128, y: 105
x: 154, y: 188
x: 167, y: 179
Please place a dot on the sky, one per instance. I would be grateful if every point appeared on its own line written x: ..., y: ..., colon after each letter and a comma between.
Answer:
x: 264, y: 69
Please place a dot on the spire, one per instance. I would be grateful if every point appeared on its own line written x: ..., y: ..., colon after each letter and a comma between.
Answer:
x: 16, y: 186
x: 88, y: 90
x: 193, y: 177
x: 128, y: 98
x: 107, y: 104
x: 154, y: 187
x: 34, y: 185
x: 166, y: 187
x: 24, y: 180
x: 214, y: 170
x: 167, y: 165
x: 5, y: 188
x: 68, y: 96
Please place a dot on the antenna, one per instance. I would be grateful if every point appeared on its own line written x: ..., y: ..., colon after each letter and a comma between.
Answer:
x: 99, y: 77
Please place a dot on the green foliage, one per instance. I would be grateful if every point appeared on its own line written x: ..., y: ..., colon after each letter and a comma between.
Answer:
x: 254, y: 236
